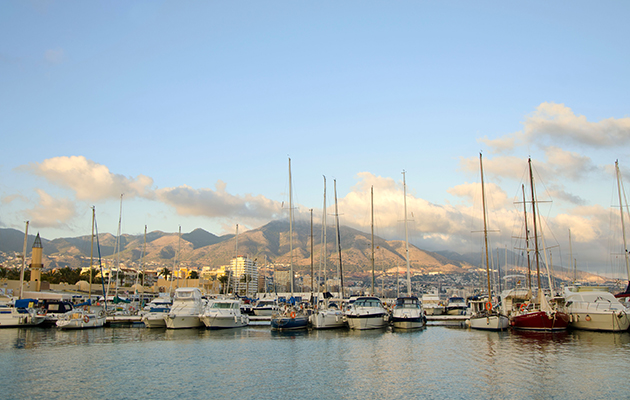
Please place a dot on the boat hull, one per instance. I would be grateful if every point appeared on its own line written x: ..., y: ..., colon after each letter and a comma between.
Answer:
x: 613, y: 321
x: 182, y: 321
x: 12, y: 318
x: 284, y: 323
x: 370, y: 321
x: 409, y: 323
x: 154, y: 320
x: 81, y: 321
x: 327, y: 320
x: 540, y: 321
x: 489, y: 322
x: 224, y: 321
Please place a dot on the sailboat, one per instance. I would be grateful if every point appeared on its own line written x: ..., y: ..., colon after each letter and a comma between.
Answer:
x: 291, y: 318
x: 85, y: 315
x: 594, y: 308
x: 489, y: 317
x: 538, y: 315
x: 408, y: 312
x: 329, y: 315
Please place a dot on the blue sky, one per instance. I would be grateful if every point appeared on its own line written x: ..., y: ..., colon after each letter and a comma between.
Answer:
x: 191, y: 109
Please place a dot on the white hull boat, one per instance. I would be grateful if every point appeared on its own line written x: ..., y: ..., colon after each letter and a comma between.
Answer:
x: 366, y: 313
x: 186, y: 310
x: 11, y: 317
x: 408, y: 314
x: 81, y: 319
x: 224, y: 314
x: 495, y: 322
x: 595, y: 310
x: 327, y: 319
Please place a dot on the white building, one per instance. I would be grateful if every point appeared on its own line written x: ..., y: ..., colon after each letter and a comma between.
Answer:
x: 245, y: 275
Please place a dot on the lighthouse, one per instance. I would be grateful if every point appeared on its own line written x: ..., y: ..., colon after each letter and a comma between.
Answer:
x: 36, y: 263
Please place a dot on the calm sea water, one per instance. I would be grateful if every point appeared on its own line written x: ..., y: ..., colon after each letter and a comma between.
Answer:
x: 255, y: 363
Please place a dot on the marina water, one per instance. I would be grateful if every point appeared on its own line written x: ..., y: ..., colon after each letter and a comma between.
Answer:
x: 255, y: 363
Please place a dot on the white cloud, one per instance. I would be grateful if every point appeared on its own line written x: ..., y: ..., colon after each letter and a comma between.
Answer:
x: 90, y: 181
x: 220, y: 204
x: 51, y: 212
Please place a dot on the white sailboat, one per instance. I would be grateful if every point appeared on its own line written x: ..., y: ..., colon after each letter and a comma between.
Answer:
x: 408, y: 312
x: 291, y: 318
x: 328, y: 314
x: 489, y: 317
x: 87, y: 316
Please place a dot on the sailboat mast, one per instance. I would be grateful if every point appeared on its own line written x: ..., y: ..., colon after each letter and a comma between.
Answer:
x: 118, y: 245
x: 235, y: 273
x: 571, y: 259
x: 529, y: 264
x: 144, y: 253
x: 623, y: 227
x: 291, y: 227
x: 23, y: 261
x: 91, y: 256
x: 485, y: 227
x: 339, y: 242
x: 406, y: 237
x: 324, y: 246
x: 372, y: 215
x: 312, y: 247
x: 537, y: 255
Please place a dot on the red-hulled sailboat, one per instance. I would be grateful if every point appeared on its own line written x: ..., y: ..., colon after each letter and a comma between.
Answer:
x: 539, y: 314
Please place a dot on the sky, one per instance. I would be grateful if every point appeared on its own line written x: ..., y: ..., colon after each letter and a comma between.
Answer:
x: 191, y: 111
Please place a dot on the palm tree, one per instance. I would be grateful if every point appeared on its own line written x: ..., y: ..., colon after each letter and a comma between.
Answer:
x: 223, y: 279
x: 165, y: 273
x: 193, y: 275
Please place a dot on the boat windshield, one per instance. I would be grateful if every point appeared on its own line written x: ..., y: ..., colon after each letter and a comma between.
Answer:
x: 407, y: 303
x: 368, y: 303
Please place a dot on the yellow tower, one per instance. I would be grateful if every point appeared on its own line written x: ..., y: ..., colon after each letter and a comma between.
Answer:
x: 36, y: 263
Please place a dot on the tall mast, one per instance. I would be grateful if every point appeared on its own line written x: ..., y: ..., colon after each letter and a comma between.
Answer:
x: 529, y: 264
x: 324, y: 244
x: 291, y: 227
x: 118, y: 245
x: 571, y: 259
x: 23, y: 261
x: 406, y: 237
x: 235, y: 274
x: 339, y: 242
x: 537, y: 255
x: 623, y: 227
x: 91, y: 256
x: 144, y: 253
x: 485, y: 227
x: 312, y: 246
x: 372, y: 214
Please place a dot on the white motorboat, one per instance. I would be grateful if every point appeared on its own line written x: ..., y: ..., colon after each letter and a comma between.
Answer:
x: 595, y: 309
x: 153, y: 313
x: 82, y: 318
x: 328, y: 317
x: 223, y: 314
x: 186, y: 310
x: 432, y: 304
x: 366, y: 313
x: 456, y: 306
x: 20, y: 314
x: 264, y: 308
x: 408, y: 313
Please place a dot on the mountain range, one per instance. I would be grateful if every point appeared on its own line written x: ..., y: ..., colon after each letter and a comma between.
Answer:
x: 267, y: 244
